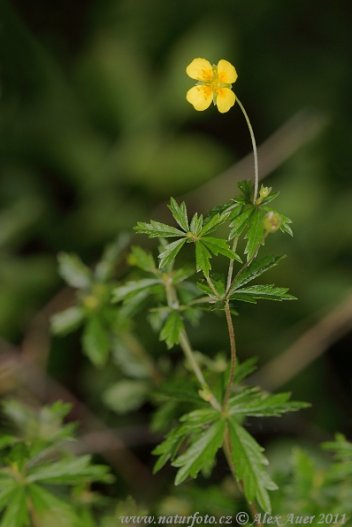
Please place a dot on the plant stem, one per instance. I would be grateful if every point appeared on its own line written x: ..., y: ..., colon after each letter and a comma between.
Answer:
x: 254, y: 146
x: 231, y: 333
x: 173, y: 302
x: 230, y: 271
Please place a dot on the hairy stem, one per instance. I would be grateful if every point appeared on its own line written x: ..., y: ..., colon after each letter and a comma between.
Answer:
x: 231, y: 332
x: 254, y: 146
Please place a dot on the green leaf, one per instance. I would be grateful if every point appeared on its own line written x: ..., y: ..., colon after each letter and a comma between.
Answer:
x: 241, y: 221
x: 244, y: 369
x: 169, y: 254
x: 67, y: 321
x: 155, y: 229
x: 211, y: 223
x: 246, y: 188
x: 131, y: 288
x: 96, y: 342
x: 250, y: 466
x: 255, y: 403
x: 74, y: 271
x: 106, y: 267
x: 255, y: 269
x: 203, y: 257
x: 262, y: 292
x: 7, y: 440
x: 7, y: 487
x: 50, y: 509
x: 179, y: 213
x: 142, y: 259
x: 255, y: 234
x: 126, y: 395
x: 169, y: 447
x: 16, y: 514
x: 219, y: 246
x: 172, y: 329
x: 196, y: 224
x: 70, y: 471
x: 201, y: 453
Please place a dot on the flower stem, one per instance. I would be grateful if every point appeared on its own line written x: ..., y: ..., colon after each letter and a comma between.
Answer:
x: 232, y: 339
x: 255, y: 152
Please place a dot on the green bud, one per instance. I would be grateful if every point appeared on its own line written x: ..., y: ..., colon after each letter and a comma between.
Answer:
x: 272, y: 221
x: 263, y: 193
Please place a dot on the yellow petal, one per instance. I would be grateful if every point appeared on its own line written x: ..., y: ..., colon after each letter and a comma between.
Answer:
x: 225, y: 99
x: 226, y: 72
x: 200, y: 97
x: 200, y: 70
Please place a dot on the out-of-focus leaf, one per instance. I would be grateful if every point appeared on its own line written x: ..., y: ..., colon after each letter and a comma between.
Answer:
x: 126, y: 395
x: 66, y: 321
x: 96, y: 341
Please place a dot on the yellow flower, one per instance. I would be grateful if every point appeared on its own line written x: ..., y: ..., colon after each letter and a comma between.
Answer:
x: 214, y: 84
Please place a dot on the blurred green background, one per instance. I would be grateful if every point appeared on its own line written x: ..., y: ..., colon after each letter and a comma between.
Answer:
x: 95, y: 133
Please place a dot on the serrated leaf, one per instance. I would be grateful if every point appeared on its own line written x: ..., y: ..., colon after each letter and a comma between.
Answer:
x: 203, y: 257
x: 169, y: 447
x: 172, y: 329
x: 7, y: 487
x: 142, y: 259
x: 126, y: 395
x: 155, y: 229
x: 201, y: 453
x: 219, y: 246
x: 196, y: 224
x: 169, y: 254
x: 240, y: 222
x: 250, y: 466
x: 246, y: 188
x: 74, y: 271
x: 96, y: 342
x: 67, y: 321
x: 131, y: 288
x: 255, y: 403
x: 211, y: 223
x: 255, y: 269
x: 16, y: 514
x: 262, y: 292
x: 179, y: 213
x: 255, y: 234
x: 244, y: 369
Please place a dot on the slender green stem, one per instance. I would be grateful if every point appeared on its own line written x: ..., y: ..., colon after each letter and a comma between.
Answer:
x: 254, y: 146
x: 233, y: 363
x: 230, y: 271
x: 172, y: 300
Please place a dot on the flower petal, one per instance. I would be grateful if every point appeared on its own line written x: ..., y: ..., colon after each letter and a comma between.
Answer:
x: 225, y: 99
x: 200, y: 97
x: 226, y: 72
x: 200, y: 70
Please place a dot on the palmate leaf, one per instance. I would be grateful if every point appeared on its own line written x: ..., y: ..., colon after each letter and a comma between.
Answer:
x: 200, y: 455
x: 255, y: 269
x: 168, y: 255
x: 179, y: 212
x: 69, y: 471
x: 50, y: 509
x: 172, y: 329
x: 250, y: 465
x: 212, y: 222
x: 253, y: 402
x: 219, y: 246
x: 261, y: 292
x: 155, y: 229
x: 240, y: 218
x: 169, y: 447
x: 203, y: 257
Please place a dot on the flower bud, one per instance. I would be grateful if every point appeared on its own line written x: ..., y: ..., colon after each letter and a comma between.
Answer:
x: 272, y: 221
